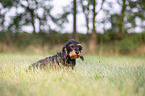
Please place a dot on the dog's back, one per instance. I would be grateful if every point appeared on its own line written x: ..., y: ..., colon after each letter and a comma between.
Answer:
x: 53, y: 61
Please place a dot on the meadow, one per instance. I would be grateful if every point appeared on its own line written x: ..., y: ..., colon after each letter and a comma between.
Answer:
x: 96, y: 76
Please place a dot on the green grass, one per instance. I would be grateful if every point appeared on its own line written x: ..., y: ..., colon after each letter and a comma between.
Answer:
x: 96, y: 76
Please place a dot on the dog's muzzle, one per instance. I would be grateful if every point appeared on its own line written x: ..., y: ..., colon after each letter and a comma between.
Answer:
x: 75, y: 54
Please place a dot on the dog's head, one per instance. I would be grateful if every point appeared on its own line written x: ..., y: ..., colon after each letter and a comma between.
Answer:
x: 73, y: 49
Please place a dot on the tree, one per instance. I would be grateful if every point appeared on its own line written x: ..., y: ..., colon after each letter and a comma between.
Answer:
x: 33, y: 11
x: 121, y: 23
x: 93, y: 38
x: 86, y: 10
x: 4, y: 9
x: 32, y: 14
x: 75, y: 34
x: 131, y: 12
x: 134, y: 13
x: 89, y: 10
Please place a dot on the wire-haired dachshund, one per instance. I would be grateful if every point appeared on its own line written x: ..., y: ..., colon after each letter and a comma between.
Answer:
x: 66, y: 58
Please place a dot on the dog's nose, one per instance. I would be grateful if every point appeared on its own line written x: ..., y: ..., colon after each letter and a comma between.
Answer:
x: 77, y: 52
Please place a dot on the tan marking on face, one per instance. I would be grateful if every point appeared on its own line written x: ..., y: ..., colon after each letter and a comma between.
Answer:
x: 79, y: 45
x: 73, y: 55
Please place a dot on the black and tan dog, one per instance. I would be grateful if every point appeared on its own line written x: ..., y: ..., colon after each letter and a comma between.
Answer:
x: 66, y: 58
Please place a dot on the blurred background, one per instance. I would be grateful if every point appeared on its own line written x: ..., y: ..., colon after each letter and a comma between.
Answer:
x: 103, y: 27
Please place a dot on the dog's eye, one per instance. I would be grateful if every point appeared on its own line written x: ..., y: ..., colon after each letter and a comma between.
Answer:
x: 78, y: 45
x: 72, y: 46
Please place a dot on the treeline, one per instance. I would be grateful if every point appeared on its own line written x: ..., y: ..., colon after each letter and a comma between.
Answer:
x: 38, y: 15
x: 28, y: 13
x: 44, y: 42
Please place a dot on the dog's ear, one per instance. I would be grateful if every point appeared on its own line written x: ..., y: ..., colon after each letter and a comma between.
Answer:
x: 64, y: 52
x: 81, y: 57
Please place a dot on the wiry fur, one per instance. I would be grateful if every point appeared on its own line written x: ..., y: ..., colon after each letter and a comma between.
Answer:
x: 61, y: 59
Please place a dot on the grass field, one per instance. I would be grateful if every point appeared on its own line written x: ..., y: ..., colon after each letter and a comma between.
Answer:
x: 96, y: 76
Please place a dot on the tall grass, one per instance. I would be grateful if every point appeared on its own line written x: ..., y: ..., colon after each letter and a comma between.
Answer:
x: 96, y: 76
